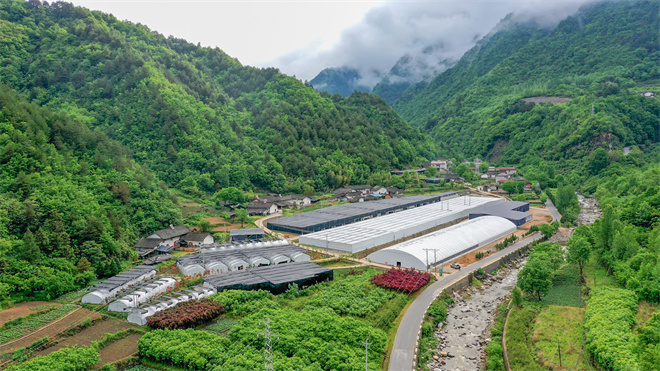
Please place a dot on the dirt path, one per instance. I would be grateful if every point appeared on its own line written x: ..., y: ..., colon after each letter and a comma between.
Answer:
x: 465, y: 333
x: 21, y: 310
x: 50, y: 330
x: 119, y: 350
x: 88, y: 335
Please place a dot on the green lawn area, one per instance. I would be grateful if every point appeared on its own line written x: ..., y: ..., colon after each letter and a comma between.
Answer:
x: 565, y: 289
x: 560, y: 325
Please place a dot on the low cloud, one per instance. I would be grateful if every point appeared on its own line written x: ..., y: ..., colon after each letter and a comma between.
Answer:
x: 427, y: 32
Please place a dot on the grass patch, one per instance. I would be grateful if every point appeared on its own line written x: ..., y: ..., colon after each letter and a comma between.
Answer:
x: 522, y: 356
x: 337, y: 263
x: 644, y: 312
x: 560, y: 324
x: 494, y: 350
x: 221, y: 327
x: 436, y: 314
x: 595, y: 275
x: 566, y: 288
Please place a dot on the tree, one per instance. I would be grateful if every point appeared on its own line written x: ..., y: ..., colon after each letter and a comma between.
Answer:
x: 205, y: 226
x: 84, y: 265
x: 431, y: 172
x: 517, y: 297
x: 535, y: 277
x: 597, y: 161
x: 242, y: 216
x: 579, y: 250
x: 230, y: 194
x: 513, y: 186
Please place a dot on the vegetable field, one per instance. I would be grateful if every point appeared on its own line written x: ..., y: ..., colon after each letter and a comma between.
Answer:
x: 322, y: 327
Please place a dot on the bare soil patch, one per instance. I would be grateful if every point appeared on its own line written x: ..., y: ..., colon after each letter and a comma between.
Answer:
x: 215, y: 220
x: 546, y: 99
x: 22, y: 310
x: 119, y: 350
x: 50, y: 330
x: 88, y: 335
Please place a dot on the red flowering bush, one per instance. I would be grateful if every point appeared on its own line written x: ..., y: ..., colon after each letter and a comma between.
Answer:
x: 187, y: 314
x: 407, y: 280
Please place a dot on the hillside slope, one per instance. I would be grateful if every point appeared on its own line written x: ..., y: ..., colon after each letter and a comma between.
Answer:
x: 68, y: 193
x: 601, y: 57
x: 193, y: 115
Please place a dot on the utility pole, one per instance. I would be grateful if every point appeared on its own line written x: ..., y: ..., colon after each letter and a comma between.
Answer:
x: 435, y: 256
x: 268, y: 346
x: 366, y: 353
x: 559, y: 348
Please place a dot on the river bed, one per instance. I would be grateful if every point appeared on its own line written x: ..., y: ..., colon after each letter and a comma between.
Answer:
x: 465, y: 334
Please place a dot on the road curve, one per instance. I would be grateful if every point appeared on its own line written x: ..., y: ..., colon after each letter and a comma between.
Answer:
x: 402, y: 357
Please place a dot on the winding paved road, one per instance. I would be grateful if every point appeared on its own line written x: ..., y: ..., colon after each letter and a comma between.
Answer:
x: 405, y: 343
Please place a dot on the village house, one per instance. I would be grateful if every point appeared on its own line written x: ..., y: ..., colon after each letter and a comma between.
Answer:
x: 196, y: 239
x: 261, y: 207
x: 502, y: 177
x: 167, y: 237
x: 444, y: 178
x: 509, y: 170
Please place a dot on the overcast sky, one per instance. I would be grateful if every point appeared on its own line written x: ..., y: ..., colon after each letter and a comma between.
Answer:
x: 305, y: 36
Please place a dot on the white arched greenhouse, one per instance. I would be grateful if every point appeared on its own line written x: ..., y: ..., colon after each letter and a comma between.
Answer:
x: 445, y: 244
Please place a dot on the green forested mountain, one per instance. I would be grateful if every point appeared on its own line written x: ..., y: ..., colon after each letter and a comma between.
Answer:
x: 343, y: 81
x: 196, y: 117
x: 72, y: 201
x: 601, y: 57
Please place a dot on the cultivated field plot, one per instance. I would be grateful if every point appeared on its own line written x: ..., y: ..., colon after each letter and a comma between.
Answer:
x: 73, y: 318
x: 23, y: 309
x: 89, y: 334
x: 560, y: 325
x: 118, y: 350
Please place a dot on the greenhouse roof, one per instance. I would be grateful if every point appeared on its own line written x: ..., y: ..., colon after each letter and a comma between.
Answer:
x: 272, y: 275
x: 446, y: 243
x: 376, y: 231
x: 338, y: 213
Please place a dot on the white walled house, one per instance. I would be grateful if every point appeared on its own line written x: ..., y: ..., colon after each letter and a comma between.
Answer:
x: 194, y: 239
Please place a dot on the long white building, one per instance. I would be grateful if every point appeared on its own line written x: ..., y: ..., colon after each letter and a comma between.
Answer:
x: 370, y: 233
x: 441, y: 246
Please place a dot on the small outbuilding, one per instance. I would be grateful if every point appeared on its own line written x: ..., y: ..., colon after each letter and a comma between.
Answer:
x: 246, y: 234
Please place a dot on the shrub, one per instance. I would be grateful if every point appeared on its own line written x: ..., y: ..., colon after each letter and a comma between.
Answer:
x: 406, y: 280
x: 187, y: 314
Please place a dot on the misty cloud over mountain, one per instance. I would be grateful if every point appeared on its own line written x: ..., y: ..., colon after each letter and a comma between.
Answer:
x: 428, y: 32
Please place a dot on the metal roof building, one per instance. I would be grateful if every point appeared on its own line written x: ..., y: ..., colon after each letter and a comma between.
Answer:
x: 443, y: 245
x: 514, y: 211
x: 274, y: 278
x: 246, y: 234
x: 240, y: 257
x: 377, y: 231
x: 335, y: 216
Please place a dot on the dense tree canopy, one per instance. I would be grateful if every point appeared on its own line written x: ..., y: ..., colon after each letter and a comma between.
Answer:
x: 198, y: 118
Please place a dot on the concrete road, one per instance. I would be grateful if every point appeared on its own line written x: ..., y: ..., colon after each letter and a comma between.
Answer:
x: 405, y: 342
x: 556, y: 216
